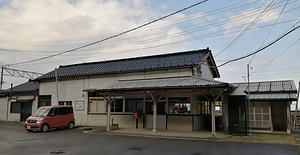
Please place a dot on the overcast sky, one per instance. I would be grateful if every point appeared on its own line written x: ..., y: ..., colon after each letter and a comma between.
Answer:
x: 34, y: 29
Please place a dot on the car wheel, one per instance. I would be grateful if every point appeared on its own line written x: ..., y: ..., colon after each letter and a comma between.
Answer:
x: 71, y: 125
x: 45, y: 128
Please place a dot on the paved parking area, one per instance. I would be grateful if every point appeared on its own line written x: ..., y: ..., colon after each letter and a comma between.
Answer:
x: 15, y: 140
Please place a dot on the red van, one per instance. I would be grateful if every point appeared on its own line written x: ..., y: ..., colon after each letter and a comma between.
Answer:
x: 50, y: 117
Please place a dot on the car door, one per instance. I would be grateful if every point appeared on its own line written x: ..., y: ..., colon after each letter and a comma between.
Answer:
x: 55, y: 118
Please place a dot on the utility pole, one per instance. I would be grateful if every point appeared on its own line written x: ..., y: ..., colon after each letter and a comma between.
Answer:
x: 248, y: 89
x: 1, y: 82
x: 56, y: 82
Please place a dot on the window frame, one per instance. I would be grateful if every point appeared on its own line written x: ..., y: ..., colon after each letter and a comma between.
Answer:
x: 135, y: 106
x: 65, y: 103
x: 46, y: 99
x: 182, y: 105
x: 19, y: 108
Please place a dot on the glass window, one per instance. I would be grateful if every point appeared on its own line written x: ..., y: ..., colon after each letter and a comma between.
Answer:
x: 42, y: 112
x: 65, y: 103
x: 44, y: 100
x: 218, y: 108
x: 15, y: 107
x: 180, y: 105
x: 117, y: 105
x: 134, y: 104
x: 205, y: 107
x: 161, y: 107
x: 97, y: 106
x: 57, y: 112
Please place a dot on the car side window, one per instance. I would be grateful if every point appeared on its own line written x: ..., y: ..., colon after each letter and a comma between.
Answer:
x: 64, y: 111
x: 57, y: 112
x: 51, y: 112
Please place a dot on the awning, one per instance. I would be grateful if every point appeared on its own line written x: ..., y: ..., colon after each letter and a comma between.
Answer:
x: 164, y: 83
x: 279, y: 96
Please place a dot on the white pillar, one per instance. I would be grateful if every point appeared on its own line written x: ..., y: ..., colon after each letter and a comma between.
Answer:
x: 108, y: 115
x: 213, y: 119
x: 154, y: 116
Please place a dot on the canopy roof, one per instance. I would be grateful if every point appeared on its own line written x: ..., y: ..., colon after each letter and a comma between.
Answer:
x: 164, y: 83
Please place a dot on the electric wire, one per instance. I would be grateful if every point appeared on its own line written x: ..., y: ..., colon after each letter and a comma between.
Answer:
x: 270, y: 29
x: 174, y: 22
x: 246, y: 29
x: 108, y: 38
x: 277, y: 56
x: 260, y: 49
x: 158, y: 38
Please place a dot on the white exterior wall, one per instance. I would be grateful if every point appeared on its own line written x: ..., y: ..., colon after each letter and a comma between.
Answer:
x: 72, y: 90
x: 206, y: 71
x: 3, y: 108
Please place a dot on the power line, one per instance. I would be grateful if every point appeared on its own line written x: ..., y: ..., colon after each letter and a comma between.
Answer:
x: 152, y: 27
x: 247, y: 28
x: 271, y: 29
x: 207, y: 36
x: 276, y: 56
x: 183, y: 20
x: 159, y: 37
x: 260, y: 49
x: 114, y: 36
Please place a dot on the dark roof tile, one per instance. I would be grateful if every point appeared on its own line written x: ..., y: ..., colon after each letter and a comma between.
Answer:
x: 164, y: 61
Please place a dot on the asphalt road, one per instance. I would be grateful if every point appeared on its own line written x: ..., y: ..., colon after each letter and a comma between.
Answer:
x: 15, y: 140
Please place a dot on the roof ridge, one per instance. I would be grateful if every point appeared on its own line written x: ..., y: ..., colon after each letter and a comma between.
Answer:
x: 137, y: 57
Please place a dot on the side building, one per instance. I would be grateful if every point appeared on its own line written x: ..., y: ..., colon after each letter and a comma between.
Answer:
x: 19, y: 102
x: 270, y: 105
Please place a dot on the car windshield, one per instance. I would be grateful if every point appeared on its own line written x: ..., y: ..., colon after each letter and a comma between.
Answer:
x: 41, y: 112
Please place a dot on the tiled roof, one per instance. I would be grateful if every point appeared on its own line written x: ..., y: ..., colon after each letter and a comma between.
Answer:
x: 29, y: 86
x: 163, y: 83
x: 156, y: 62
x: 271, y: 90
x: 269, y: 86
x: 278, y: 96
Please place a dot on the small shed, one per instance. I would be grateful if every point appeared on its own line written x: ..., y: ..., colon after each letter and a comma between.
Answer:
x: 270, y: 105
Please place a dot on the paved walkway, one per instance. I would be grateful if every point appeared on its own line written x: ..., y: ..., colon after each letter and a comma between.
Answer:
x: 165, y: 133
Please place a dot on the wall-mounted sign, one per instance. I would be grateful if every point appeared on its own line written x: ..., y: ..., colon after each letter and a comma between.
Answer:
x: 79, y: 105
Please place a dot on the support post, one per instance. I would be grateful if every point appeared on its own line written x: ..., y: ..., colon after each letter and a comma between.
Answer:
x: 108, y: 114
x: 154, y: 116
x: 213, y: 119
x: 155, y: 100
x: 109, y: 100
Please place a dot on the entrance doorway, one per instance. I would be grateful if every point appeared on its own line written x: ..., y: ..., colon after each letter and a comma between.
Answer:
x: 237, y: 114
x: 279, y: 116
x: 26, y: 108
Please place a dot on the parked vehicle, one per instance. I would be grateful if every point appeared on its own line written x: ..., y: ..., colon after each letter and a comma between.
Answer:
x: 48, y: 117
